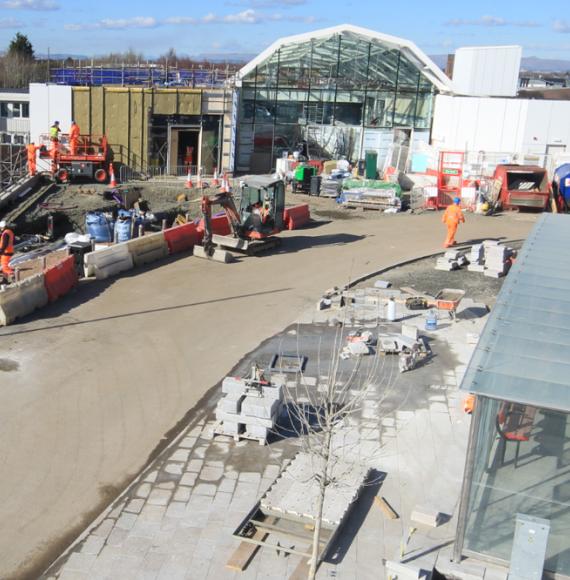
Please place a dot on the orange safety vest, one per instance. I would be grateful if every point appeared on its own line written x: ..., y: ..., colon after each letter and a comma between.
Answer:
x: 452, y: 215
x: 74, y: 132
x: 31, y: 151
x: 7, y: 243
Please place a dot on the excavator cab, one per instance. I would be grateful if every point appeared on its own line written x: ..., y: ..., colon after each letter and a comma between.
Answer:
x: 262, y: 206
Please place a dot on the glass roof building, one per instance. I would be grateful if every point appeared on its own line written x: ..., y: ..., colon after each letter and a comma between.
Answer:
x: 342, y: 90
x: 518, y: 459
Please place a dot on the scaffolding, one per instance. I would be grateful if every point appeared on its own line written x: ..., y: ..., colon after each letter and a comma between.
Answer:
x: 13, y: 160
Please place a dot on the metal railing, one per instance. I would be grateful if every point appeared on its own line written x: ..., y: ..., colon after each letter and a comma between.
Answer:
x: 161, y: 173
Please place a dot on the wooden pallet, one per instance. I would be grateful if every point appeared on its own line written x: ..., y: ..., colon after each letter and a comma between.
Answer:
x: 219, y: 430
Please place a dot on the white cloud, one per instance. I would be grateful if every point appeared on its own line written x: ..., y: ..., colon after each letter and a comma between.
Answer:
x: 561, y: 26
x: 249, y: 16
x: 11, y: 23
x: 491, y: 21
x: 30, y: 4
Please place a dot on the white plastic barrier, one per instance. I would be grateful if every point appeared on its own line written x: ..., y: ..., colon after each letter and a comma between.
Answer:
x: 22, y: 298
x: 147, y: 248
x: 108, y: 262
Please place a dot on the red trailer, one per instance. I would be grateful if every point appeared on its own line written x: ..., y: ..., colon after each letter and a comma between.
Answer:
x: 90, y: 158
x: 523, y: 186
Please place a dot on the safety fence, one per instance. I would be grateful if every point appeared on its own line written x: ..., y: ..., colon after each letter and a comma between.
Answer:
x: 160, y: 173
x: 24, y: 297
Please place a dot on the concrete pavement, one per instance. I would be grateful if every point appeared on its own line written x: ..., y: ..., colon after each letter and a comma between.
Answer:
x: 100, y: 378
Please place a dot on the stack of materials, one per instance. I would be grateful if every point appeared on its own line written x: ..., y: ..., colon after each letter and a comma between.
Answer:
x: 497, y: 259
x: 331, y: 186
x: 370, y: 194
x: 250, y: 407
x: 451, y: 260
x: 477, y: 258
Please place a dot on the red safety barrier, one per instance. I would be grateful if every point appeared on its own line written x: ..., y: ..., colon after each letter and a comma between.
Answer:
x: 181, y: 238
x: 220, y: 225
x: 298, y: 216
x: 60, y: 279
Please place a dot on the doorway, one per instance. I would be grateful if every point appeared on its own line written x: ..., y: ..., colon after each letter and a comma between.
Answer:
x: 183, y: 149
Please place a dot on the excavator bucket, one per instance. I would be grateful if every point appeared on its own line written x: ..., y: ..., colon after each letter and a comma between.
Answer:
x: 217, y: 255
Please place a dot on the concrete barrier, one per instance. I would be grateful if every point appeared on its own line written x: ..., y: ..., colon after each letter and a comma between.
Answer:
x: 22, y: 298
x: 298, y: 216
x: 108, y: 262
x: 147, y: 248
x: 182, y: 238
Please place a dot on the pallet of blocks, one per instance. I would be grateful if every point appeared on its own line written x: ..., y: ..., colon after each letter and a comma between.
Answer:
x: 250, y: 407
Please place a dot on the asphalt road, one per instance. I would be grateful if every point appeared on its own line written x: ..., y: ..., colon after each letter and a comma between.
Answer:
x: 92, y: 384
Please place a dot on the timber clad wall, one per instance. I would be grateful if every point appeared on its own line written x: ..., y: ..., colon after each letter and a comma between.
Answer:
x: 124, y: 114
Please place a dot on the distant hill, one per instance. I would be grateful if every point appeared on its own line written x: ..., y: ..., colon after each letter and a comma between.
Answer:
x: 528, y: 63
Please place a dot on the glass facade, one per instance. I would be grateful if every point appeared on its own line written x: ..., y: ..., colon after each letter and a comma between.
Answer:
x: 520, y: 464
x: 340, y: 84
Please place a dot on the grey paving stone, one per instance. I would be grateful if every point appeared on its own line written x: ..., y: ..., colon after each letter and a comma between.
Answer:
x: 143, y: 490
x: 180, y: 455
x: 80, y: 562
x: 205, y: 489
x: 222, y: 499
x: 104, y: 528
x: 189, y: 479
x: 200, y: 452
x: 195, y: 465
x: 135, y: 506
x: 210, y: 473
x: 117, y: 537
x: 151, y: 477
x: 176, y: 510
x: 227, y: 485
x: 188, y: 442
x: 174, y: 468
x: 152, y: 513
x: 126, y: 521
x: 168, y: 485
x: 182, y: 494
x: 92, y: 545
x: 159, y: 497
x: 250, y: 477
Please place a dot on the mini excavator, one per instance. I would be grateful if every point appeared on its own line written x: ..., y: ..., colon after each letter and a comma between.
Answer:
x: 253, y: 226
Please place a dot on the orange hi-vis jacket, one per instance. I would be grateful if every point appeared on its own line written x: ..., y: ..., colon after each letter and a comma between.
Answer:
x: 453, y: 215
x: 74, y: 132
x: 31, y: 149
x: 7, y: 243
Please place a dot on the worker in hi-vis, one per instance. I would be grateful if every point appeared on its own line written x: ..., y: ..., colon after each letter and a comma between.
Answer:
x: 452, y: 217
x: 74, y: 137
x: 31, y: 150
x: 6, y: 249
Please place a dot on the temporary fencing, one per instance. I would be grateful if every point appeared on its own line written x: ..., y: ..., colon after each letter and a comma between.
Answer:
x: 22, y: 298
x: 60, y: 279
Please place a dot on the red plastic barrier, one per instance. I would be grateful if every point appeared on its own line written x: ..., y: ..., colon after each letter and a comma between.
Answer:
x: 181, y: 238
x: 298, y: 216
x: 220, y: 225
x: 60, y: 279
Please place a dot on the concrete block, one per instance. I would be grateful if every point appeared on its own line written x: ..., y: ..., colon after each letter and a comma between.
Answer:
x: 233, y: 385
x: 260, y: 421
x: 427, y: 516
x: 447, y: 266
x: 261, y: 407
x: 382, y: 284
x: 231, y: 427
x: 490, y: 243
x: 462, y: 261
x: 324, y: 304
x: 410, y: 331
x: 231, y: 403
x: 452, y: 255
x: 476, y: 267
x: 224, y: 416
x: 273, y: 392
x: 358, y: 348
x: 257, y: 431
x: 494, y: 273
x: 405, y: 571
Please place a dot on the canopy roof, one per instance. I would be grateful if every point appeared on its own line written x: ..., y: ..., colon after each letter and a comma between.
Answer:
x: 353, y: 52
x: 522, y: 355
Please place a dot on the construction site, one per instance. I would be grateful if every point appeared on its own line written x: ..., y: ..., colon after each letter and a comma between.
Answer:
x: 300, y: 318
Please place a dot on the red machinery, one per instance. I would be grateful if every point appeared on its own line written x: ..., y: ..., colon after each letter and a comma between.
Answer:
x: 89, y: 159
x: 449, y: 177
x: 523, y: 186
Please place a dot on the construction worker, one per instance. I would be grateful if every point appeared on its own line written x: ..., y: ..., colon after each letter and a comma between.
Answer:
x: 6, y: 249
x: 452, y: 217
x: 74, y: 137
x: 54, y: 132
x: 32, y: 149
x: 54, y: 156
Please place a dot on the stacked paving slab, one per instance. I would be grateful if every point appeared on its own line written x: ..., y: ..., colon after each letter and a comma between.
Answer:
x: 451, y: 260
x: 249, y: 411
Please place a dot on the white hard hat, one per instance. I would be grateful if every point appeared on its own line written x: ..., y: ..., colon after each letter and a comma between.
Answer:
x: 3, y: 224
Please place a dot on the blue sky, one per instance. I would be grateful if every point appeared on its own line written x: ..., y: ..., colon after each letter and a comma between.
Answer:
x: 248, y: 26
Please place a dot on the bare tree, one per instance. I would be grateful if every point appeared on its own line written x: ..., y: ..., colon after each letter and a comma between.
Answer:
x: 325, y: 419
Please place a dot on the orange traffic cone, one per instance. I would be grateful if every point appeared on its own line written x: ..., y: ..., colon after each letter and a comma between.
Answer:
x: 189, y: 184
x: 112, y: 179
x: 216, y: 181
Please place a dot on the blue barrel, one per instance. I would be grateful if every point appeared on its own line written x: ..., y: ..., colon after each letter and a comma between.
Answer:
x: 98, y: 226
x: 562, y: 179
x: 123, y: 226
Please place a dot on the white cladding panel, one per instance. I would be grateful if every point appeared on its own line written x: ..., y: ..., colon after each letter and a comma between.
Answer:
x: 49, y: 103
x: 491, y: 71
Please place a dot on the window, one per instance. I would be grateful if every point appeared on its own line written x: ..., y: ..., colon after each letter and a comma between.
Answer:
x: 14, y: 110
